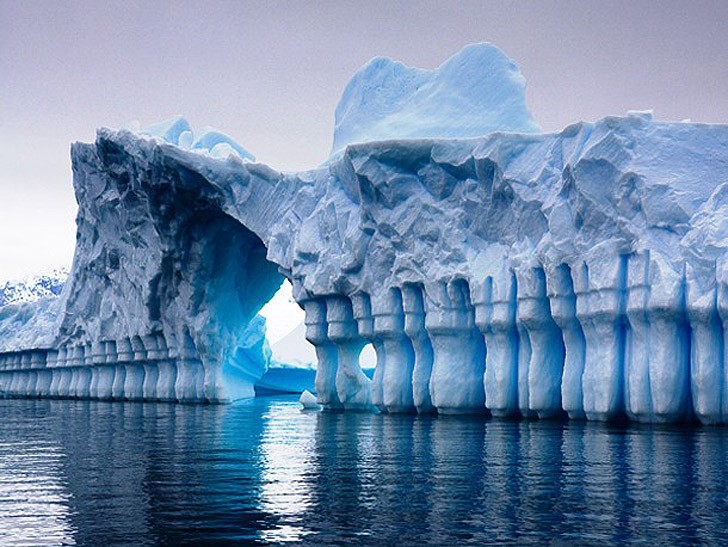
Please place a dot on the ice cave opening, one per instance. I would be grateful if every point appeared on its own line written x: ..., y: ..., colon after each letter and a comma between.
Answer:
x: 368, y: 359
x: 224, y: 280
x: 292, y: 366
x: 286, y: 331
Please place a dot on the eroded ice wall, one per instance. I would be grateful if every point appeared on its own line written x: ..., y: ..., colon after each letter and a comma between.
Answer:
x: 163, y: 296
x: 522, y: 274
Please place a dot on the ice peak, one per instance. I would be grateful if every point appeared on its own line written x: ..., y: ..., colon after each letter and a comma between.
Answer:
x: 477, y: 91
x: 209, y: 141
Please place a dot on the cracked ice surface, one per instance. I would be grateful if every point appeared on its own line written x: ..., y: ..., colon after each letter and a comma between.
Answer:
x: 526, y: 274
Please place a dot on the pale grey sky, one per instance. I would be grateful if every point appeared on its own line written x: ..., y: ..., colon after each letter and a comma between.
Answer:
x: 270, y: 74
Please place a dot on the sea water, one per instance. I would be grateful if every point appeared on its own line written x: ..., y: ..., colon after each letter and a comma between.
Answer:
x: 262, y: 471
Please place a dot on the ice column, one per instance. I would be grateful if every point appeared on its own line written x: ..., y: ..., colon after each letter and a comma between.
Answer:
x: 69, y: 389
x: 60, y: 361
x: 167, y: 370
x: 722, y: 305
x: 105, y: 373
x: 638, y: 398
x: 9, y: 385
x: 562, y: 300
x: 706, y: 347
x: 317, y: 334
x: 212, y: 386
x: 657, y: 355
x: 397, y: 355
x: 28, y: 375
x: 456, y: 386
x: 600, y: 306
x: 66, y: 372
x: 414, y: 326
x: 188, y: 385
x: 45, y: 375
x: 98, y: 358
x: 125, y: 355
x: 352, y: 385
x: 41, y: 379
x: 134, y: 378
x: 546, y: 356
x: 151, y: 367
x: 362, y: 309
x: 12, y: 376
x: 495, y: 315
x: 670, y: 340
x: 21, y: 376
x: 83, y: 383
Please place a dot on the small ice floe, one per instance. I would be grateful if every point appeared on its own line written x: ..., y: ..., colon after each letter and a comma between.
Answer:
x: 308, y: 401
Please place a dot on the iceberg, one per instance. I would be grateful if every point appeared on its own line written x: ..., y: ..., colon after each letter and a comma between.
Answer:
x: 308, y: 401
x: 495, y: 270
x: 285, y: 379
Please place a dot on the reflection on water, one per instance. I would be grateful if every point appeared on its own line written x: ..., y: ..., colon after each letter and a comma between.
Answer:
x: 33, y: 503
x: 260, y: 471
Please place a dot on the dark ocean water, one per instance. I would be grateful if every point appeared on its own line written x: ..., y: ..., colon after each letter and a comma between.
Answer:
x: 261, y: 471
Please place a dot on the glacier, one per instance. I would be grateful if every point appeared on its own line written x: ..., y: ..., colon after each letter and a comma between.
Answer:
x: 33, y: 288
x: 501, y: 270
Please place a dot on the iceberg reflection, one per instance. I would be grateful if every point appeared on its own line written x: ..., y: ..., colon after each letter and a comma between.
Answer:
x: 263, y: 472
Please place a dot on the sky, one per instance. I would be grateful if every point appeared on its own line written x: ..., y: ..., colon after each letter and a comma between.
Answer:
x: 270, y: 74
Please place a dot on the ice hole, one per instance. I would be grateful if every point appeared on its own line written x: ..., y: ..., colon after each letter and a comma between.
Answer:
x: 285, y: 330
x: 368, y: 358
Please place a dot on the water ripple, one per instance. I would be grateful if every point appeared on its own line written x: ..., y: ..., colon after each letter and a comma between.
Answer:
x: 261, y: 471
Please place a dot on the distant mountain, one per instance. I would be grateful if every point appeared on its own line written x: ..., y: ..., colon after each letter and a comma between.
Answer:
x: 33, y: 288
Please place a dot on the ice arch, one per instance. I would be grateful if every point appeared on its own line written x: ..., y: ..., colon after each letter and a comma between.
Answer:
x: 229, y: 282
x: 163, y: 298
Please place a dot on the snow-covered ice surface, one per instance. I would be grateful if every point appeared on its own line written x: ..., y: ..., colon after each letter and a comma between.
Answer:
x: 523, y: 273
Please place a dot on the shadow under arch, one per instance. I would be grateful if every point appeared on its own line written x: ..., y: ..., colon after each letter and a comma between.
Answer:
x: 227, y: 280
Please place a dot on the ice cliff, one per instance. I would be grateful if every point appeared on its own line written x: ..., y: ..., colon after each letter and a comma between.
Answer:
x: 515, y: 272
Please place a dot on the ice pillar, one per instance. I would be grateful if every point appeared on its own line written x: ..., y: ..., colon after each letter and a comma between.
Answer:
x: 397, y: 355
x: 352, y: 385
x: 706, y: 348
x: 414, y: 326
x: 362, y: 309
x: 600, y: 306
x: 188, y: 384
x: 657, y: 353
x: 562, y: 301
x: 133, y: 381
x: 326, y: 354
x: 722, y: 305
x: 456, y: 385
x: 542, y: 382
x: 495, y: 316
